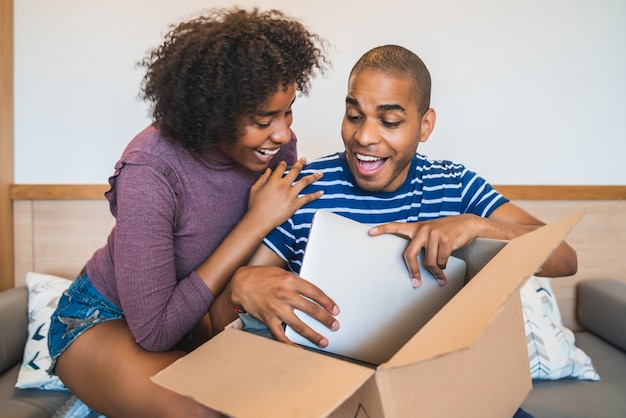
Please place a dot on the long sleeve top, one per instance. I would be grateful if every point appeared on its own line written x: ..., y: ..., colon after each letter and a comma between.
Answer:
x: 172, y: 208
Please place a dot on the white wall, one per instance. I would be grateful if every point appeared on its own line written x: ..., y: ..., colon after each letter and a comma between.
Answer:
x: 526, y: 91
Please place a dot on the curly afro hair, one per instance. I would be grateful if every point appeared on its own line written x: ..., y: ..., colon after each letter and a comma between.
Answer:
x: 212, y: 72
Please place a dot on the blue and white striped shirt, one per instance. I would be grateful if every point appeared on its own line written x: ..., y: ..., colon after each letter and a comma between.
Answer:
x: 433, y: 189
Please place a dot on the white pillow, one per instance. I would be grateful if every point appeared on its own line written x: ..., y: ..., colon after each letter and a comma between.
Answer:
x: 552, y: 352
x: 44, y: 292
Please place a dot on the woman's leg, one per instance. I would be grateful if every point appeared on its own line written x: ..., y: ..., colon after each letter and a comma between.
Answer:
x: 107, y: 370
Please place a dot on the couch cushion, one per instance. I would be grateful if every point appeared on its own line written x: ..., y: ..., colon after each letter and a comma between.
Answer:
x: 44, y: 291
x: 572, y: 398
x: 27, y: 402
x: 602, y: 309
x: 13, y: 326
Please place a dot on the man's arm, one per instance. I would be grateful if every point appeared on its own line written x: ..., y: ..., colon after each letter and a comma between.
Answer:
x: 562, y: 262
x: 271, y: 294
x: 439, y: 237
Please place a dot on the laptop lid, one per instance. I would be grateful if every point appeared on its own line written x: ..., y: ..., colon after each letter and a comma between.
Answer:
x: 368, y: 279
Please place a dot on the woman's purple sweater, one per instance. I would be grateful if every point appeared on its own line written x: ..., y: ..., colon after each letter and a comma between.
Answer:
x: 172, y: 207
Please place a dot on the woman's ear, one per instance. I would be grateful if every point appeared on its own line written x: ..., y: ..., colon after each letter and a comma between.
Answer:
x: 427, y: 124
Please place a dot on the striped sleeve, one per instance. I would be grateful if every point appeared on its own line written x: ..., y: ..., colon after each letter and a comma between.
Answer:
x: 478, y: 196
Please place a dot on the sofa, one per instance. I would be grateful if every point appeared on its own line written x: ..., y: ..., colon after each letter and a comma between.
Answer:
x: 601, y: 311
x: 16, y: 403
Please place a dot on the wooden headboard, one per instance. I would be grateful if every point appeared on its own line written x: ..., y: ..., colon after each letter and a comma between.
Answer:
x: 57, y: 228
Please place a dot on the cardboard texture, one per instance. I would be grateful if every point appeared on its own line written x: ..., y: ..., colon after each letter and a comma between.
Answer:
x: 469, y: 360
x: 218, y: 375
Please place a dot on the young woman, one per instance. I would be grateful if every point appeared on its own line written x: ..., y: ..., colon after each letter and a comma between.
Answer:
x: 193, y: 195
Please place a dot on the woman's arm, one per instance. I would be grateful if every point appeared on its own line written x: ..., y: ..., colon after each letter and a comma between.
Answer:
x: 161, y: 308
x: 274, y: 197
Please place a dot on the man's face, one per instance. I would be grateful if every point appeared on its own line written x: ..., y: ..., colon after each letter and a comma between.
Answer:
x: 382, y: 128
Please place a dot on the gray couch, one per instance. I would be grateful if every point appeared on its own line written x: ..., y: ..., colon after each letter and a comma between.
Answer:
x: 16, y: 403
x: 601, y: 310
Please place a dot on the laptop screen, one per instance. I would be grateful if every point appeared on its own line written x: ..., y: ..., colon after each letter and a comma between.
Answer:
x: 367, y: 277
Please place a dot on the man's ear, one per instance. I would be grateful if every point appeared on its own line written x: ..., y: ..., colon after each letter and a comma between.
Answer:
x: 427, y: 124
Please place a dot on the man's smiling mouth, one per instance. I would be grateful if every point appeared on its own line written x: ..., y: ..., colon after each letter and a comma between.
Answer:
x: 369, y: 162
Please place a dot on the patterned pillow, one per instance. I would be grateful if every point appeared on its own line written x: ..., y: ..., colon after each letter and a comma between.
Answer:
x: 552, y: 352
x: 44, y: 292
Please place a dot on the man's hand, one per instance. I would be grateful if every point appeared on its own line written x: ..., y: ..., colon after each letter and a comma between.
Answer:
x: 437, y: 237
x: 271, y: 294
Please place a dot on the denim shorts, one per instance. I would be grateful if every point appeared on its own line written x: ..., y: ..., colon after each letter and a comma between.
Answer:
x: 80, y: 307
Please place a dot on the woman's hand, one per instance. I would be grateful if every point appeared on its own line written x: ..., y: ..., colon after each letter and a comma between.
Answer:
x: 437, y: 237
x: 271, y: 294
x: 274, y: 197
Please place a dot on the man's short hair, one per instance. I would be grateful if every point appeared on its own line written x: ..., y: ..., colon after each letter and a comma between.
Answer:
x: 398, y: 60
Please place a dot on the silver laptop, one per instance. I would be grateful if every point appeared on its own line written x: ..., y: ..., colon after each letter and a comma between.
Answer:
x: 367, y: 277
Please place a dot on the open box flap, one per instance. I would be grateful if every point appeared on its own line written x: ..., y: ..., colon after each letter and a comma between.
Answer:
x: 459, y: 324
x: 490, y: 379
x: 244, y: 375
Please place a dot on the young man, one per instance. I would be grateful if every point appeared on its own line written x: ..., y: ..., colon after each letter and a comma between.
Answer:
x: 379, y: 179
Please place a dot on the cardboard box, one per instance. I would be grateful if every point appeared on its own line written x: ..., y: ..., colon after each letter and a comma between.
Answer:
x: 469, y: 360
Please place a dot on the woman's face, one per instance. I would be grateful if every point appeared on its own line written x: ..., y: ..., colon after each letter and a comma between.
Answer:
x: 265, y: 131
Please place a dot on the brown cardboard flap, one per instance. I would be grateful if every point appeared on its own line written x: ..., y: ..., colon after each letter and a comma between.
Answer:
x: 364, y: 403
x: 489, y: 379
x: 245, y: 375
x: 460, y: 323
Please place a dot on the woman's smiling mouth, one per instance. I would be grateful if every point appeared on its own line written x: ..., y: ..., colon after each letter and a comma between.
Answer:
x: 266, y: 152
